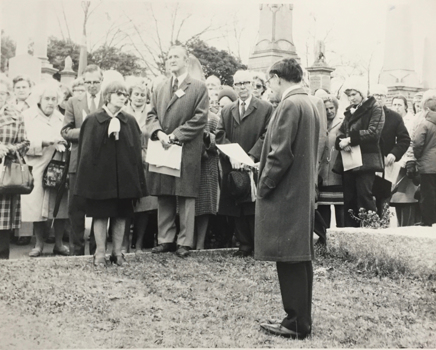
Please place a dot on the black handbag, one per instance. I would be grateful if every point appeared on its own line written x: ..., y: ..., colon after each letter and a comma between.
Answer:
x: 54, y: 173
x: 15, y: 177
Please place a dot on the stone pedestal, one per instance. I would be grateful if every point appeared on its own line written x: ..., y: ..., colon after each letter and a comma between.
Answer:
x: 275, y: 40
x: 320, y: 78
x: 68, y: 75
x: 25, y: 64
x: 406, y: 91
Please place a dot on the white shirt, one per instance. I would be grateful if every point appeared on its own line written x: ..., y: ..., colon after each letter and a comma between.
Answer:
x: 96, y: 99
x: 247, y: 103
x: 180, y: 79
x: 289, y: 89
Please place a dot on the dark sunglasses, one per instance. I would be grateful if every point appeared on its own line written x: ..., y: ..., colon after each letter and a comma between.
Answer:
x: 121, y: 93
x: 258, y: 86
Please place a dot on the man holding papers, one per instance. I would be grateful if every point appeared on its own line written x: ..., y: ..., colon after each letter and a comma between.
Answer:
x: 394, y: 141
x: 243, y: 122
x: 178, y: 114
x: 359, y: 135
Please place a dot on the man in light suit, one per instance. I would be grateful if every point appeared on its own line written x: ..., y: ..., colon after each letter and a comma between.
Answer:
x: 178, y: 113
x: 244, y: 122
x: 77, y: 109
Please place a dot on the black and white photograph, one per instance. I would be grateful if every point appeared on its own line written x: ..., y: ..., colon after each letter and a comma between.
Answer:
x: 217, y: 174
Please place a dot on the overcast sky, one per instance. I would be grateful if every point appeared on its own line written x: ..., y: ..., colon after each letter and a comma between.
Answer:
x: 354, y: 30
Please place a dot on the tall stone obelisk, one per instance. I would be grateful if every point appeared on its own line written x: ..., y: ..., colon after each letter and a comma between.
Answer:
x: 275, y: 37
x: 398, y: 72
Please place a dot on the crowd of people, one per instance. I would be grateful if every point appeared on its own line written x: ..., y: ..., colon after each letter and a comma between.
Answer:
x: 267, y: 202
x: 105, y: 128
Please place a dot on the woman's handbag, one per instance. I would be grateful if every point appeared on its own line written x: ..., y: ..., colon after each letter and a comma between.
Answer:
x: 15, y: 178
x: 53, y: 173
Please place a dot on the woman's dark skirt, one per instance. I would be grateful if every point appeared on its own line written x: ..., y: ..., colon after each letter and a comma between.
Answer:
x: 114, y: 207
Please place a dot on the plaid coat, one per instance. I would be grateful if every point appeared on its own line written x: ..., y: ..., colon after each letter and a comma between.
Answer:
x: 12, y: 132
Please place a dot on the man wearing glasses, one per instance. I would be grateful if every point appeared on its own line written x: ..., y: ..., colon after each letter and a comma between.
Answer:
x: 77, y: 109
x: 244, y: 122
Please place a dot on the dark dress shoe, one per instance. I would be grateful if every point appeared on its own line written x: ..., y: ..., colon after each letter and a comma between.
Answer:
x: 183, y: 251
x: 118, y: 260
x: 64, y: 251
x: 242, y: 254
x: 278, y: 329
x: 163, y: 248
x: 23, y: 240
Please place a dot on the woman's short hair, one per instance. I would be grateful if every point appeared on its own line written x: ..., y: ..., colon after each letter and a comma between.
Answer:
x: 136, y: 83
x: 77, y: 82
x: 19, y: 78
x: 4, y: 80
x: 287, y: 69
x: 112, y: 87
x: 332, y: 99
x: 262, y: 81
x: 39, y: 90
x: 401, y: 97
x: 428, y: 100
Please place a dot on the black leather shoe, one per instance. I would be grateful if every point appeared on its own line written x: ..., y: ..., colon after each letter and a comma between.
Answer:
x: 278, y: 329
x: 242, y: 254
x: 163, y: 248
x: 183, y: 251
x: 23, y: 240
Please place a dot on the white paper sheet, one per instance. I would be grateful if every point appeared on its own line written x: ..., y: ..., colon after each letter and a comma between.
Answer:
x: 234, y: 151
x: 391, y: 172
x: 353, y: 159
x: 164, y: 170
x: 159, y: 156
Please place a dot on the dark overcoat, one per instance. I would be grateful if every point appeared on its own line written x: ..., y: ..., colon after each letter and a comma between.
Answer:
x: 249, y: 132
x: 364, y: 127
x: 186, y: 118
x: 285, y: 204
x: 108, y: 168
x: 395, y: 138
x: 75, y: 109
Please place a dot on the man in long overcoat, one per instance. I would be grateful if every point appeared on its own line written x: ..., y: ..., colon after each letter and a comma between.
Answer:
x: 286, y: 197
x: 178, y: 113
x: 243, y: 122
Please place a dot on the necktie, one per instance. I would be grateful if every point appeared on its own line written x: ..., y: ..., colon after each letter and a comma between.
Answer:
x: 175, y: 85
x: 93, y: 107
x: 242, y: 109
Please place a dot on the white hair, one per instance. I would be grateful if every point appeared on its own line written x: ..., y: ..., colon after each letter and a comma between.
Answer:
x: 428, y: 95
x: 40, y: 89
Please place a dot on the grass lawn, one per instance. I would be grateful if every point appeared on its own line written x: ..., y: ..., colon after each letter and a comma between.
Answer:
x: 206, y: 300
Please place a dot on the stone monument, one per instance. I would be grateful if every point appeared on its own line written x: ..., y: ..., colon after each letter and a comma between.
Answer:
x: 320, y: 72
x: 398, y: 72
x: 68, y: 74
x: 275, y: 37
x: 23, y: 63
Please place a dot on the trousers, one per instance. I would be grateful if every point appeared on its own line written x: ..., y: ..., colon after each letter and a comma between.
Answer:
x: 296, y: 282
x: 167, y: 211
x: 357, y: 194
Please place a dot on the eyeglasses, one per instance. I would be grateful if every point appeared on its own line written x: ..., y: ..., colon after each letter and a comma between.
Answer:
x: 258, y: 86
x: 95, y: 82
x: 142, y: 95
x: 267, y: 82
x: 245, y: 83
x: 379, y: 95
x: 120, y: 93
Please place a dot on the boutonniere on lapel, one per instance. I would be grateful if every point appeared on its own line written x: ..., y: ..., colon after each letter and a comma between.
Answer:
x: 179, y: 93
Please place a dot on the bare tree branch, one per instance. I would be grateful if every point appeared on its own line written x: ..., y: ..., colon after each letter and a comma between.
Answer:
x: 66, y: 21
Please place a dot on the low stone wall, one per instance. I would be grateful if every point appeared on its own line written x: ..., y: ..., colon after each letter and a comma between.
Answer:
x: 400, y: 250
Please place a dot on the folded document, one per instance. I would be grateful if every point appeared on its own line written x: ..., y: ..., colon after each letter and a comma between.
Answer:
x: 164, y: 161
